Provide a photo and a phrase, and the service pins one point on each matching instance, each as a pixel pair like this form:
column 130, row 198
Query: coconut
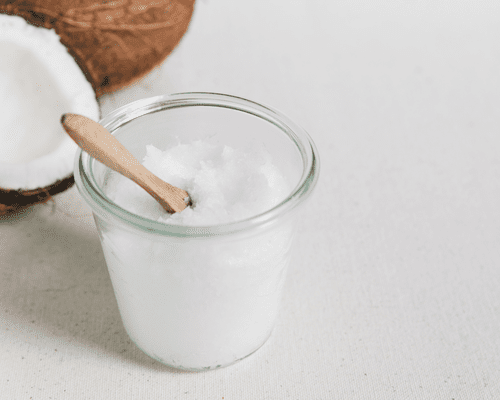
column 79, row 51
column 114, row 42
column 39, row 81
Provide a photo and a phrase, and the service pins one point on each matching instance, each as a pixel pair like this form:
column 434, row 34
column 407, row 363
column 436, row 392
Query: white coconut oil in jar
column 201, row 289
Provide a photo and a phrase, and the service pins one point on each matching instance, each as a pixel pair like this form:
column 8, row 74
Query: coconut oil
column 201, row 289
column 200, row 304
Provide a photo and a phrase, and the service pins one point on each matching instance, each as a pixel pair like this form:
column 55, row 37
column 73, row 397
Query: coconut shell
column 113, row 42
column 15, row 201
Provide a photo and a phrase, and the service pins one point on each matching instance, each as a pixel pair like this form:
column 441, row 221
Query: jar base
column 201, row 369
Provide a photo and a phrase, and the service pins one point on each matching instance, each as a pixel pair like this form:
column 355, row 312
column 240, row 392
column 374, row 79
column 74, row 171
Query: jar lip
column 103, row 206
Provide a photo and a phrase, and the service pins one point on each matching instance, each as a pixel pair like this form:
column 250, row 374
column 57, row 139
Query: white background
column 394, row 290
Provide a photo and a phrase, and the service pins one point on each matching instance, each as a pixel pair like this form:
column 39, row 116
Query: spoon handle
column 93, row 138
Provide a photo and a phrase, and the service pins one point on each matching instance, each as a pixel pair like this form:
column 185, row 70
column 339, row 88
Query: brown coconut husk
column 15, row 201
column 115, row 42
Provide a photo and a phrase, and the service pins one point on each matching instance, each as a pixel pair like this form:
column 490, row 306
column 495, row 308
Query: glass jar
column 199, row 297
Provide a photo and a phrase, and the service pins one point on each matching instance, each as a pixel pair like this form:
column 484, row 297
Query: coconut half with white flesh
column 39, row 81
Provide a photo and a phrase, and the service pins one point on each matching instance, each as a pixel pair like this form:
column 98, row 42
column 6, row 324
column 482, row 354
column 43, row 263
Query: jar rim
column 104, row 207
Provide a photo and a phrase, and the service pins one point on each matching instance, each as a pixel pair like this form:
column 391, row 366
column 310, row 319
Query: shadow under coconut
column 53, row 276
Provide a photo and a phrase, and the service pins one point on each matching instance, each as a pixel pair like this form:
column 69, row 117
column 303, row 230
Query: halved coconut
column 39, row 81
column 113, row 42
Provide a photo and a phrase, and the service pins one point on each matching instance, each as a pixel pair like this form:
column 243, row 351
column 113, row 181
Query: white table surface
column 394, row 291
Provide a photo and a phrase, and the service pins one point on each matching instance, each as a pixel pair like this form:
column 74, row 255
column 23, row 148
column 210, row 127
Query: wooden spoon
column 103, row 146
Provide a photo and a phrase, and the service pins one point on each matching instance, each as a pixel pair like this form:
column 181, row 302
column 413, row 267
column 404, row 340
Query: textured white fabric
column 393, row 292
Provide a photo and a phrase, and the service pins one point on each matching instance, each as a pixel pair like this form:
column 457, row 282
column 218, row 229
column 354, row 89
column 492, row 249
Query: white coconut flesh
column 39, row 81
